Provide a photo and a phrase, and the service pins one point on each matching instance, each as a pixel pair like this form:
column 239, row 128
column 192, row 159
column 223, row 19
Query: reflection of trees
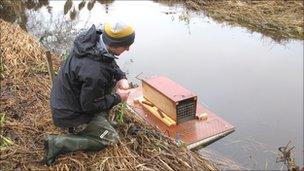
column 70, row 8
column 14, row 10
column 35, row 5
column 56, row 33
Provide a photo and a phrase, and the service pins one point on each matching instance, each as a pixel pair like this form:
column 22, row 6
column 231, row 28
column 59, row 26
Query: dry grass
column 25, row 88
column 278, row 19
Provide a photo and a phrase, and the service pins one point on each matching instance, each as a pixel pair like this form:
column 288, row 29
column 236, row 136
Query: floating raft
column 197, row 132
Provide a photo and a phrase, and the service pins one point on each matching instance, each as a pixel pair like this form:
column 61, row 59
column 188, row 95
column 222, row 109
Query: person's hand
column 122, row 84
column 124, row 94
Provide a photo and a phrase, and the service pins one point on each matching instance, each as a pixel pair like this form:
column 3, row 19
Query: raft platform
column 194, row 133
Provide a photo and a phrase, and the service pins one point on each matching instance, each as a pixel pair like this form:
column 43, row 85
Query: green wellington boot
column 55, row 145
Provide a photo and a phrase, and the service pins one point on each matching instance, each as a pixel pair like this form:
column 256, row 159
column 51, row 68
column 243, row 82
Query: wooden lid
column 169, row 88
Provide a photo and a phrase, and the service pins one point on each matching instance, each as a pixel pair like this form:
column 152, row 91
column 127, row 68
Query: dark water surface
column 251, row 81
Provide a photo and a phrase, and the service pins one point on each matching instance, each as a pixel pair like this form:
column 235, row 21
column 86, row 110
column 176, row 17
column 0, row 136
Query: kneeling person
column 82, row 92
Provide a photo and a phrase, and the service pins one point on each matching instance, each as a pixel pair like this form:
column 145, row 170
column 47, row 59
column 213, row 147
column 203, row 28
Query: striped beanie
column 118, row 34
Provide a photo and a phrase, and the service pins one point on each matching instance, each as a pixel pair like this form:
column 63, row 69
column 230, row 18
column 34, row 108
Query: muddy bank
column 26, row 119
column 278, row 19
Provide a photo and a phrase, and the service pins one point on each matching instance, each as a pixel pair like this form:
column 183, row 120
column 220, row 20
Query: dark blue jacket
column 84, row 83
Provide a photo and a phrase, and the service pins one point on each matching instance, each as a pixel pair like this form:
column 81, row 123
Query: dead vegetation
column 26, row 119
column 278, row 19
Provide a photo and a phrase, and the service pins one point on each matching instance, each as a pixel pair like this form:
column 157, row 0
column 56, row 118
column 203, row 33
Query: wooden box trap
column 175, row 111
column 170, row 98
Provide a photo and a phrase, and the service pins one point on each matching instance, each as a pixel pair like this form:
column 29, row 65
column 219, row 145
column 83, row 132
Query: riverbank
column 278, row 19
column 26, row 120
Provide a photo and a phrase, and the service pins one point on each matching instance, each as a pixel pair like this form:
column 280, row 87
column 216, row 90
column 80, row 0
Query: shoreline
column 280, row 20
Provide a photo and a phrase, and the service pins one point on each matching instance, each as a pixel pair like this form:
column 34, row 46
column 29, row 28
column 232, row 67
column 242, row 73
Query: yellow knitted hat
column 118, row 34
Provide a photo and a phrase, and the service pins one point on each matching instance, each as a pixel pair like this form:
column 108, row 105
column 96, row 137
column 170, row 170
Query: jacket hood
column 89, row 44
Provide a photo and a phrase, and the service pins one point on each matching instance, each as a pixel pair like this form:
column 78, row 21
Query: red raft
column 204, row 129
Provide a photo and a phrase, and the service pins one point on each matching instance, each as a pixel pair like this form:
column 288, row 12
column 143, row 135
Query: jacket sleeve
column 92, row 96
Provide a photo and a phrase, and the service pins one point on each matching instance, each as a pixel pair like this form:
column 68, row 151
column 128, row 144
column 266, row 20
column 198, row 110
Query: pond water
column 251, row 81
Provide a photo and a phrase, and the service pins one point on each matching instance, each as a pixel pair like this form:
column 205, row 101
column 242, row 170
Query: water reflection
column 15, row 11
column 73, row 11
column 56, row 33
